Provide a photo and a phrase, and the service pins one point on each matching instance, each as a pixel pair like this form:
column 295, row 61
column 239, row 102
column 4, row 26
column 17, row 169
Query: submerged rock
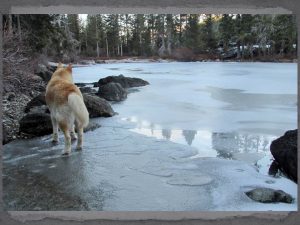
column 97, row 106
column 112, row 92
column 91, row 127
column 125, row 82
column 36, row 124
column 284, row 151
column 268, row 195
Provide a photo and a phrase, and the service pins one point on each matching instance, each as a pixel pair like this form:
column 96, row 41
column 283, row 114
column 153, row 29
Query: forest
column 184, row 37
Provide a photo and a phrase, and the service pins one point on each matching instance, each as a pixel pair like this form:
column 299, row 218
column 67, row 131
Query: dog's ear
column 69, row 67
column 60, row 65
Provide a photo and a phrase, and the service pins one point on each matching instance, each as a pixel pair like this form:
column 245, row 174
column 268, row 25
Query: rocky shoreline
column 26, row 115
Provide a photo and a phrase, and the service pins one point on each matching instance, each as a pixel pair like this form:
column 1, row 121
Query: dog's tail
column 77, row 105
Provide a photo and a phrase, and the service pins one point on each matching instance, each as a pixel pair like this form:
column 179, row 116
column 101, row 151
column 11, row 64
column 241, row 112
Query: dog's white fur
column 67, row 107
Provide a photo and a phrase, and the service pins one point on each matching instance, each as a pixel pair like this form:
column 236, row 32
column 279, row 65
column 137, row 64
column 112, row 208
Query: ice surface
column 220, row 108
column 195, row 139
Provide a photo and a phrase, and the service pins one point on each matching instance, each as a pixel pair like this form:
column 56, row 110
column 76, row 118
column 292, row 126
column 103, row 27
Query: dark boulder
column 91, row 127
column 36, row 101
column 36, row 124
column 44, row 72
column 125, row 82
column 268, row 195
column 97, row 107
column 5, row 139
column 112, row 92
column 284, row 151
column 99, row 61
column 39, row 109
column 80, row 84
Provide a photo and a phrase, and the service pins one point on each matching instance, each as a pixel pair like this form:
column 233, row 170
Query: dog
column 67, row 107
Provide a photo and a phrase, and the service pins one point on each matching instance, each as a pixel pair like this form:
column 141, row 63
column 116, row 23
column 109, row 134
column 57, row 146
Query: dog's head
column 63, row 72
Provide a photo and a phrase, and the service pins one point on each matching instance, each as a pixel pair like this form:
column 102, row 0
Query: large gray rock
column 284, row 151
column 4, row 135
column 44, row 72
column 268, row 195
column 36, row 124
column 97, row 107
column 112, row 92
column 87, row 90
column 36, row 101
column 125, row 82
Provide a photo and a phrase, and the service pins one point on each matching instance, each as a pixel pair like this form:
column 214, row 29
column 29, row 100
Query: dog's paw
column 79, row 148
column 54, row 141
column 73, row 137
column 65, row 153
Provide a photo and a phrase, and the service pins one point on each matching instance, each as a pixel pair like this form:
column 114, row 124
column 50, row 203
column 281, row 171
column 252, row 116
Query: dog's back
column 64, row 98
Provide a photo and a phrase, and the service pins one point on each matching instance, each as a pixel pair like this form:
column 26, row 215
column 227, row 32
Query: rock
column 97, row 106
column 51, row 68
column 87, row 90
column 8, row 88
column 11, row 96
column 87, row 62
column 98, row 61
column 4, row 135
column 39, row 109
column 36, row 124
column 80, row 84
column 125, row 82
column 37, row 101
column 112, row 92
column 43, row 72
column 91, row 126
column 284, row 151
column 268, row 195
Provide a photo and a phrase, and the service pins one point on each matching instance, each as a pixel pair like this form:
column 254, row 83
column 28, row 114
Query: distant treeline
column 181, row 36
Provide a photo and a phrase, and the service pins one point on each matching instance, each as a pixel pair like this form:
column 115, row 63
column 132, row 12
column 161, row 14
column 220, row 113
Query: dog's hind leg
column 72, row 132
column 55, row 130
column 64, row 127
column 80, row 138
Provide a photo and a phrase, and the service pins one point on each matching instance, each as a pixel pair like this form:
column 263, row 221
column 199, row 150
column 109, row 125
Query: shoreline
column 84, row 62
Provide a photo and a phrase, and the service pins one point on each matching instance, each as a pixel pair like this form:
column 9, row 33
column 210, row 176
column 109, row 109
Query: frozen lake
column 222, row 109
column 195, row 139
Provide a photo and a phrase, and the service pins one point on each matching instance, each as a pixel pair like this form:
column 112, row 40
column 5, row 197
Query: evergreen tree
column 192, row 32
column 226, row 29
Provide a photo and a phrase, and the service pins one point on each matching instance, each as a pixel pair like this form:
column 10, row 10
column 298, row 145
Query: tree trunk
column 238, row 50
column 243, row 50
column 97, row 38
column 10, row 29
column 98, row 52
column 121, row 49
column 180, row 29
column 19, row 28
column 107, row 53
column 86, row 44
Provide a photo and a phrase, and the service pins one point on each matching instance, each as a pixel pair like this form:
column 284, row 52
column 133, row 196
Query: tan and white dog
column 66, row 106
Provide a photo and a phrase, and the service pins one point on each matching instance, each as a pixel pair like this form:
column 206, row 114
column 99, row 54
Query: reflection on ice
column 229, row 145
